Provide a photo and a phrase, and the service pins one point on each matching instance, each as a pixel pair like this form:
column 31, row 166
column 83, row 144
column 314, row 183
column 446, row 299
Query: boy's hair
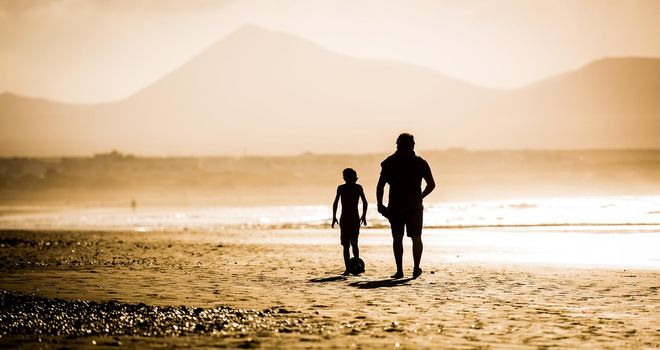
column 405, row 141
column 349, row 174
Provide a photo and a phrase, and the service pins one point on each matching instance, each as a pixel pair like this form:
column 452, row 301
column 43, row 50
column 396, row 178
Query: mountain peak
column 250, row 40
column 253, row 33
column 251, row 29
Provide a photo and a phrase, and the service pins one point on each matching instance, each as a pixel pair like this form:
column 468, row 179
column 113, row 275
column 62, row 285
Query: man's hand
column 383, row 210
column 363, row 219
column 334, row 221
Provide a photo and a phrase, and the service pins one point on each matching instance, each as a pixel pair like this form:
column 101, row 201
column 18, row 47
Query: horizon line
column 124, row 154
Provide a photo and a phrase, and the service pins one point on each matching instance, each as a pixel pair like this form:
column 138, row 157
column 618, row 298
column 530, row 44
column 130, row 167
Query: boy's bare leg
column 347, row 257
column 397, row 248
column 356, row 250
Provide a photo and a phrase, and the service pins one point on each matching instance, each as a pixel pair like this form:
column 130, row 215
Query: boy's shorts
column 350, row 229
column 410, row 219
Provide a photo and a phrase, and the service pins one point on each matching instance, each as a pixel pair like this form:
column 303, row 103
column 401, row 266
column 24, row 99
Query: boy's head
column 405, row 141
column 350, row 175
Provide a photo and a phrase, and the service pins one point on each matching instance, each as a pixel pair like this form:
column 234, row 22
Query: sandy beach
column 282, row 289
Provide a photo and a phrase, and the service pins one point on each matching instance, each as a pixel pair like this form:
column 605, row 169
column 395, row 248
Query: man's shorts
column 350, row 229
column 410, row 219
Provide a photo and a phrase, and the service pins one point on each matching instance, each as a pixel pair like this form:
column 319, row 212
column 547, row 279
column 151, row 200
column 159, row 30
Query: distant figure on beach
column 403, row 171
column 133, row 204
column 349, row 223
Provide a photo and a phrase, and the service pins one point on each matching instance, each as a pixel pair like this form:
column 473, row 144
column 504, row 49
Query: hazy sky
column 89, row 50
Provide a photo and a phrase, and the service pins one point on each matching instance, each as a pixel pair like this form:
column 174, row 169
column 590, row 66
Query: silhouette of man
column 403, row 171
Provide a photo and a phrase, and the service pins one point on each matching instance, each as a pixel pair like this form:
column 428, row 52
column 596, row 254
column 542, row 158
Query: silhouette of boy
column 349, row 222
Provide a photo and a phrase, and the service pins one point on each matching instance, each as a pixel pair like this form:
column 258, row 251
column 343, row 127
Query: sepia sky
column 90, row 51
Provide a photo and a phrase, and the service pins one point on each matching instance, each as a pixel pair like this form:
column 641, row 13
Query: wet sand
column 265, row 288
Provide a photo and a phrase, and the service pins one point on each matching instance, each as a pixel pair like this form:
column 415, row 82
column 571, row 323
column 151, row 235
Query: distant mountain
column 264, row 92
column 609, row 103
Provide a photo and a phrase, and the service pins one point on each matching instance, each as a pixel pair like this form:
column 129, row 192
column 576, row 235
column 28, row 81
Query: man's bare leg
column 417, row 249
column 397, row 248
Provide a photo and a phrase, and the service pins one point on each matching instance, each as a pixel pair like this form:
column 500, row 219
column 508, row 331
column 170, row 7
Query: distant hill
column 608, row 103
column 264, row 92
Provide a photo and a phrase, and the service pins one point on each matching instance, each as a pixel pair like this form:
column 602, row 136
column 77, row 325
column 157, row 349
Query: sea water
column 577, row 212
column 614, row 232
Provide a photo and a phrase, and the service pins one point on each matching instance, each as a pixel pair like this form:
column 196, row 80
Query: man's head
column 405, row 142
column 350, row 175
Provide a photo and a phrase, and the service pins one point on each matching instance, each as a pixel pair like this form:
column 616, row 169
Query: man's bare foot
column 397, row 275
column 417, row 272
column 346, row 273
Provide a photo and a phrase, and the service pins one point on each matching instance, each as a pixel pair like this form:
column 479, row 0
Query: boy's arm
column 334, row 209
column 364, row 206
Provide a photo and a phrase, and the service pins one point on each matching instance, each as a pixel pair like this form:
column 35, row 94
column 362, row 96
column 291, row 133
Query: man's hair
column 349, row 174
column 405, row 141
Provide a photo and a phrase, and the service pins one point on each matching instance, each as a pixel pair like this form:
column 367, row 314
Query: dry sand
column 453, row 305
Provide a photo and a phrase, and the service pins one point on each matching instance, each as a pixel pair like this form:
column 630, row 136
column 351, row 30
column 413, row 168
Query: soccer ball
column 356, row 266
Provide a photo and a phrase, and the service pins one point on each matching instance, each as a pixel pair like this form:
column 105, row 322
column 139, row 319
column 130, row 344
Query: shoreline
column 588, row 247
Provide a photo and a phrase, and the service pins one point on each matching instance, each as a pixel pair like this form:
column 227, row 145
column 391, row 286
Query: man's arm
column 380, row 190
column 430, row 184
column 334, row 208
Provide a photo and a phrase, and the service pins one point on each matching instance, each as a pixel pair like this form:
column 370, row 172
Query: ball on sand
column 356, row 266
